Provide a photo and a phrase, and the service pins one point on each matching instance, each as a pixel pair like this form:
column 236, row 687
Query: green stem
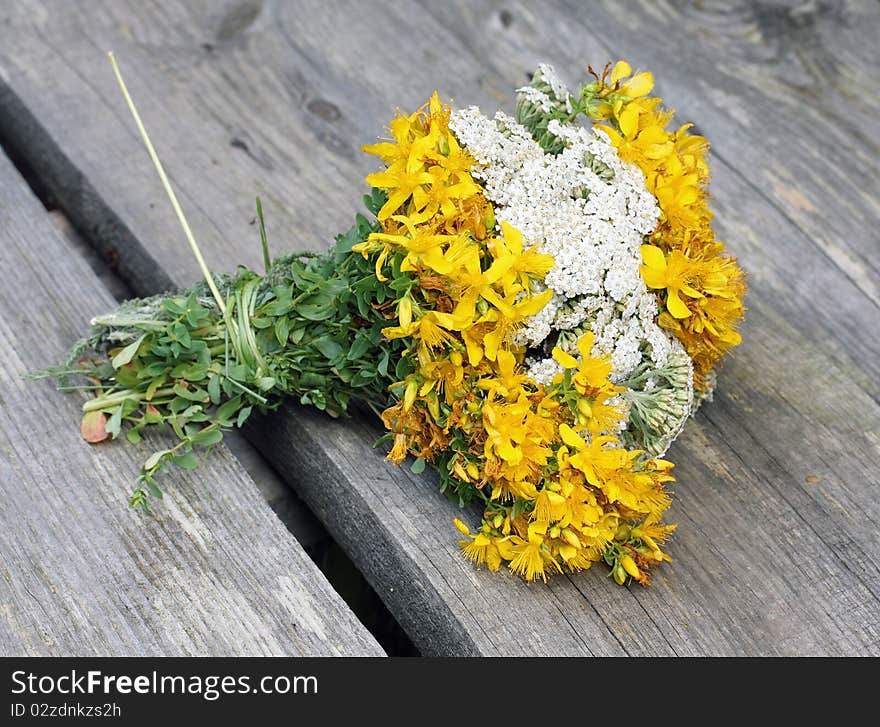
column 209, row 279
column 267, row 261
column 108, row 402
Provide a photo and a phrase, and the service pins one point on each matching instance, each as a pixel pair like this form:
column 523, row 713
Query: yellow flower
column 592, row 382
column 423, row 248
column 550, row 506
column 524, row 264
column 440, row 194
column 639, row 85
column 400, row 184
column 507, row 382
column 529, row 559
column 483, row 547
column 403, row 130
column 399, row 450
column 433, row 330
column 674, row 273
column 506, row 426
column 486, row 336
column 473, row 283
column 446, row 374
column 679, row 194
column 640, row 136
column 566, row 360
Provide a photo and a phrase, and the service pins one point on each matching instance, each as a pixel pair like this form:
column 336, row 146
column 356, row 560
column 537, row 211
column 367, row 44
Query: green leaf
column 214, row 389
column 133, row 436
column 362, row 377
column 264, row 383
column 152, row 415
column 418, row 466
column 313, row 312
column 345, row 375
column 243, row 416
column 192, row 372
column 190, row 394
column 327, row 346
column 191, row 410
column 180, row 332
column 177, row 426
column 188, row 461
column 127, row 376
column 195, row 314
column 128, row 353
column 114, row 424
column 174, row 306
column 360, row 346
column 229, row 408
column 207, row 438
column 382, row 368
column 154, row 458
column 282, row 330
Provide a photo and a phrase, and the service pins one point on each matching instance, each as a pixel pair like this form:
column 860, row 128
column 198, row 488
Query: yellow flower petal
column 585, row 344
column 512, row 237
column 675, row 305
column 621, row 70
column 629, row 121
column 653, row 257
column 639, row 85
column 462, row 528
column 570, row 437
column 567, row 361
column 653, row 278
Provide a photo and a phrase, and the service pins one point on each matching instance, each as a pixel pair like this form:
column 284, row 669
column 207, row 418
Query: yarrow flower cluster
column 536, row 309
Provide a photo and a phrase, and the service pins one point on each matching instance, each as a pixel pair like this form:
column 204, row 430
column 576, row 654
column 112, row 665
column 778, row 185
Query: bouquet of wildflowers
column 534, row 306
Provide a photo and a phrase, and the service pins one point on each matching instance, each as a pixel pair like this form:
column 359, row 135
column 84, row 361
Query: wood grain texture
column 778, row 549
column 212, row 572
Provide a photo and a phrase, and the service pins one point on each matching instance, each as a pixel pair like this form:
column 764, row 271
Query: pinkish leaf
column 93, row 427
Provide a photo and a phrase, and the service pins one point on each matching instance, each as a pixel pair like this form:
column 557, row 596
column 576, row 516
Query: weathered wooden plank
column 212, row 573
column 767, row 561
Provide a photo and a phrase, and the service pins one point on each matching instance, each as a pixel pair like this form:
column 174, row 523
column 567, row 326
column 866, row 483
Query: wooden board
column 212, row 573
column 778, row 549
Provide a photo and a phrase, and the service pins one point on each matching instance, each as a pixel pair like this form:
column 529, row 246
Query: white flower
column 592, row 223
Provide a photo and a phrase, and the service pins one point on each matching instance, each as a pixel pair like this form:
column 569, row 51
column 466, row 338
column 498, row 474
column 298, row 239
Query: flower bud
column 571, row 538
column 629, row 565
column 404, row 312
column 409, row 395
